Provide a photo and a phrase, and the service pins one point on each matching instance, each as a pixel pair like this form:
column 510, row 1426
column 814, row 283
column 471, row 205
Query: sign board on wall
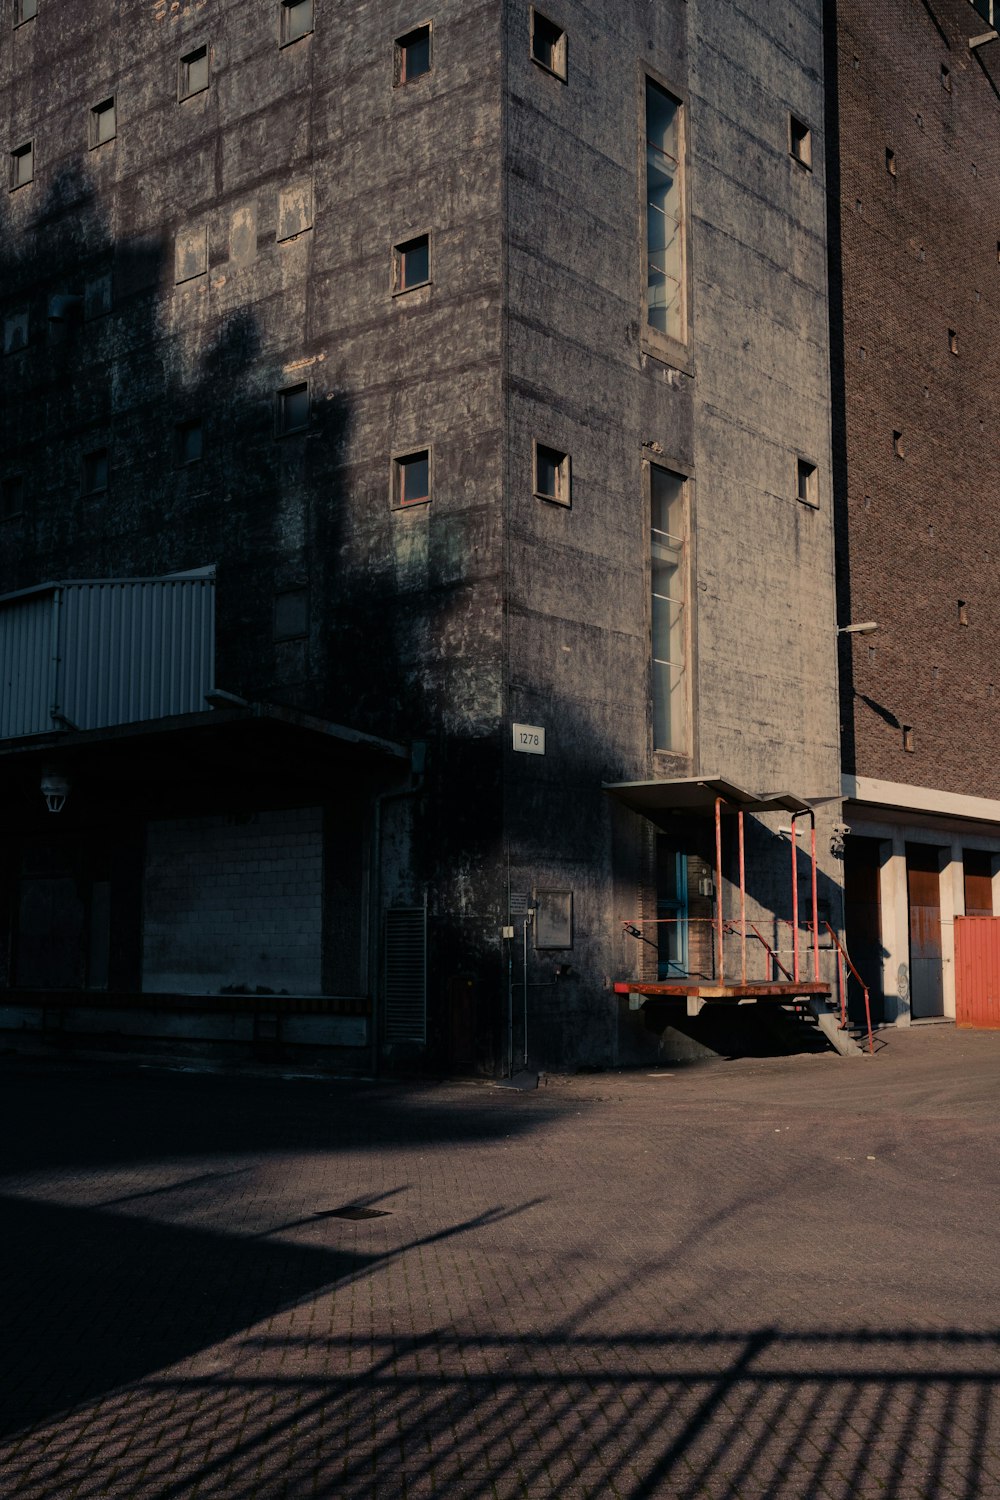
column 529, row 739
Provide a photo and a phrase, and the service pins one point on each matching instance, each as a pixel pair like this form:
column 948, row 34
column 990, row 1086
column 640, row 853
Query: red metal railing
column 844, row 957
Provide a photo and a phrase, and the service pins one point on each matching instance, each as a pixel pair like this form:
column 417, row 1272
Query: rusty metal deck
column 700, row 989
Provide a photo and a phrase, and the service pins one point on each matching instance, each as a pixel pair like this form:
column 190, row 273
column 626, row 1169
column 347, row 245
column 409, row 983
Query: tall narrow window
column 296, row 20
column 800, row 141
column 192, row 73
column 667, row 546
column 103, row 122
column 188, row 442
column 95, row 472
column 665, row 310
column 22, row 165
column 12, row 497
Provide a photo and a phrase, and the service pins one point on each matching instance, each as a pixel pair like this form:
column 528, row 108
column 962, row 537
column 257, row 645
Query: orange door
column 977, row 972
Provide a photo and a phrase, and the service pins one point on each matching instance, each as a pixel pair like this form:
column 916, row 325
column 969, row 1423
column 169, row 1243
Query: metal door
column 923, row 886
column 977, row 972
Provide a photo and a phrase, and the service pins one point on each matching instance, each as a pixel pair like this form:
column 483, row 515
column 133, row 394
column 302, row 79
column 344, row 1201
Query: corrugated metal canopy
column 697, row 794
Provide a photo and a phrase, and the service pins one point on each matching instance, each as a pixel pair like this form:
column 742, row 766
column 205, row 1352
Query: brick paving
column 757, row 1279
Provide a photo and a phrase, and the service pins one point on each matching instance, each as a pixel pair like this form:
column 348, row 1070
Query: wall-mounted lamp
column 55, row 789
column 865, row 627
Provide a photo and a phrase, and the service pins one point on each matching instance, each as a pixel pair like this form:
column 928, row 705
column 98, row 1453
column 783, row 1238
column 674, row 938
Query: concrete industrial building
column 415, row 423
column 914, row 110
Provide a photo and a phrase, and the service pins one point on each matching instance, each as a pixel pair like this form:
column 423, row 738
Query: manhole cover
column 355, row 1211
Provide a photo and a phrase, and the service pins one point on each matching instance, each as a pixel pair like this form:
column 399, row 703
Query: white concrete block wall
column 228, row 902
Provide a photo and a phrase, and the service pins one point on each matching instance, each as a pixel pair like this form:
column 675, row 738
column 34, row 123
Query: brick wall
column 234, row 903
column 915, row 257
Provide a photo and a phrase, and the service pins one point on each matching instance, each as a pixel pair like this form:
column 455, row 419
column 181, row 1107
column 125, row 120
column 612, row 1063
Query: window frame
column 184, row 61
column 561, row 69
column 183, row 426
column 400, row 79
column 397, row 460
column 20, row 19
column 800, row 142
column 107, row 105
column 564, row 473
column 682, row 745
column 285, row 8
column 664, row 346
column 808, row 470
column 279, row 637
column 86, row 490
column 399, row 288
column 26, row 148
column 280, row 398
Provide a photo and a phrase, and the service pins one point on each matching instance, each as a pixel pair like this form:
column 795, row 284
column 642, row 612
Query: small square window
column 800, row 142
column 25, row 10
column 295, row 210
column 103, row 122
column 12, row 497
column 296, row 20
column 15, row 331
column 95, row 472
column 22, row 165
column 291, row 614
column 552, row 474
column 192, row 73
column 412, row 477
column 413, row 54
column 292, row 409
column 97, row 296
column 548, row 44
column 188, row 441
column 191, row 253
column 890, row 161
column 411, row 263
column 807, row 489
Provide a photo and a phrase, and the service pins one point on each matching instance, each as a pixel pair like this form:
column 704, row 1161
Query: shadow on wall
column 178, row 382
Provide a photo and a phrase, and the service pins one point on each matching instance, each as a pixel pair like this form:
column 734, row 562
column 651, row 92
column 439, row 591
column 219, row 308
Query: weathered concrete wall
column 446, row 621
column 734, row 411
column 374, row 164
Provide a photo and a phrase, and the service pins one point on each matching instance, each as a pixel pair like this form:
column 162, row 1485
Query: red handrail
column 845, row 957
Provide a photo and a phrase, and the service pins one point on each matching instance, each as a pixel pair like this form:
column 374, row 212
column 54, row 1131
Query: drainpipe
column 418, row 760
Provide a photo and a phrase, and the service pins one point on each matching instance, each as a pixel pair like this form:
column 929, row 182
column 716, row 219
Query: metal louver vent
column 406, row 974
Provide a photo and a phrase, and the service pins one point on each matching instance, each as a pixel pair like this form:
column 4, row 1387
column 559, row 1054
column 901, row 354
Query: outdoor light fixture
column 866, row 627
column 55, row 789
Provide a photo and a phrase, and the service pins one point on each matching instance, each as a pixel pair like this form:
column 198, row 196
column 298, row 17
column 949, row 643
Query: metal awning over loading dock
column 713, row 795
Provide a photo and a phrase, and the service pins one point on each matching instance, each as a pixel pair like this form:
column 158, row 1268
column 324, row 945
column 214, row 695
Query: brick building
column 913, row 120
column 414, row 423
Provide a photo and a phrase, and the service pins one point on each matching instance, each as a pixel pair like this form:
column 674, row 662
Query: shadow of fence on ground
column 760, row 1413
